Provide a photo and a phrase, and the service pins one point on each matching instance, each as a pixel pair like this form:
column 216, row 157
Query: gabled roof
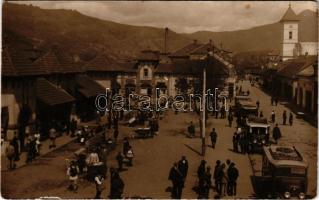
column 102, row 63
column 290, row 15
column 51, row 94
column 185, row 51
column 88, row 87
column 27, row 61
column 290, row 68
column 148, row 55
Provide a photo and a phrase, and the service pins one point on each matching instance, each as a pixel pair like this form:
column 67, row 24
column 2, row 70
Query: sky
column 184, row 17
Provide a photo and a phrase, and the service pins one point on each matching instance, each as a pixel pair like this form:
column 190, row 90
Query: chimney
column 165, row 40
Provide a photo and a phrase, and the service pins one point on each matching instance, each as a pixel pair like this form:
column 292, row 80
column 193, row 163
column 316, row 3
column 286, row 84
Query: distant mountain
column 80, row 34
column 86, row 36
column 261, row 38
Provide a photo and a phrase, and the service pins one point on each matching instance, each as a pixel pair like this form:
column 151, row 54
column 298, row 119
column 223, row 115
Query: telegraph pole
column 204, row 111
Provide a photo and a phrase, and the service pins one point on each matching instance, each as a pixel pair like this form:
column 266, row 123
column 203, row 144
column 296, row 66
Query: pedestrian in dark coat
column 201, row 169
column 290, row 119
column 276, row 134
column 177, row 181
column 232, row 179
column 15, row 143
column 230, row 119
column 191, row 130
column 183, row 168
column 235, row 142
column 284, row 117
column 117, row 186
column 120, row 159
column 213, row 138
column 215, row 175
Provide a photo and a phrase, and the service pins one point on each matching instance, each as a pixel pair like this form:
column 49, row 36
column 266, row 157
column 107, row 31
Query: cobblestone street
column 153, row 158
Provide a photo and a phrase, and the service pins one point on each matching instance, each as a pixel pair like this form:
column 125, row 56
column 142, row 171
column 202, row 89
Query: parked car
column 284, row 172
column 258, row 133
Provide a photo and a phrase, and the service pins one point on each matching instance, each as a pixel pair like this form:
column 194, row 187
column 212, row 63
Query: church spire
column 290, row 15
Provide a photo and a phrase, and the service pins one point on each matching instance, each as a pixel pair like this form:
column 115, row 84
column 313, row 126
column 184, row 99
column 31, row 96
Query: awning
column 51, row 94
column 88, row 87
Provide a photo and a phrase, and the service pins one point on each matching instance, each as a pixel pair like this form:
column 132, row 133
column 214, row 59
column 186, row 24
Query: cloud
column 189, row 16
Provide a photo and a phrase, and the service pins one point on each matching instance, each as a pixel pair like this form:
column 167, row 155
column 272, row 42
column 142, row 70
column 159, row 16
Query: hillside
column 78, row 34
column 266, row 37
column 86, row 36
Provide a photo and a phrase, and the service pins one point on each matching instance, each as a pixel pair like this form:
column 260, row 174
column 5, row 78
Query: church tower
column 290, row 46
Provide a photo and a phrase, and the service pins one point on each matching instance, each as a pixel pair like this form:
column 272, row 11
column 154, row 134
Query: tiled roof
column 290, row 15
column 29, row 61
column 186, row 50
column 104, row 64
column 50, row 94
column 8, row 68
column 88, row 87
column 290, row 68
column 148, row 55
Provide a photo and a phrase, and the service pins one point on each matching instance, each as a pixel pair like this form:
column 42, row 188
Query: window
column 290, row 35
column 145, row 72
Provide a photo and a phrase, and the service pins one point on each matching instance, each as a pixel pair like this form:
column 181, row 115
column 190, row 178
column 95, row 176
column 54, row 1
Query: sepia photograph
column 159, row 99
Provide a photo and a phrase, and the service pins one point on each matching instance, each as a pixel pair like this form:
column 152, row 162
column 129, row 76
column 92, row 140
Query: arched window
column 146, row 72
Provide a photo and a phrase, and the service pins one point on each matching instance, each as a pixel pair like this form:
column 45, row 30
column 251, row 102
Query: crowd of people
column 225, row 177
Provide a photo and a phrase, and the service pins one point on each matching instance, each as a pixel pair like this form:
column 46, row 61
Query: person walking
column 201, row 169
column 273, row 116
column 284, row 117
column 235, row 142
column 31, row 149
column 10, row 153
column 117, row 186
column 176, row 177
column 213, row 138
column 191, row 130
column 183, row 168
column 290, row 119
column 99, row 185
column 222, row 180
column 276, row 133
column 232, row 179
column 230, row 119
column 120, row 159
column 52, row 135
column 16, row 145
column 215, row 176
column 72, row 172
column 37, row 143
